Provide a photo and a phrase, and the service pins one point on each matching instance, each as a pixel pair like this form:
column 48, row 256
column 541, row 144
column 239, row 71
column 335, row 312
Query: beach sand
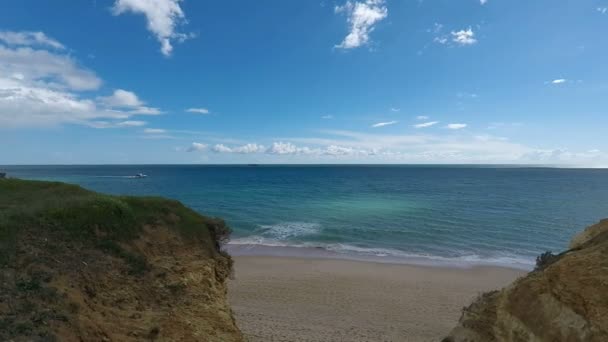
column 304, row 299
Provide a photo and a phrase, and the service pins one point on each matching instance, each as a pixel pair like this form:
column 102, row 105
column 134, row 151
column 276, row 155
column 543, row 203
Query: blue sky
column 274, row 81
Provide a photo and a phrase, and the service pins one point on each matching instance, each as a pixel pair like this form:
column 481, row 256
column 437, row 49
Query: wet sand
column 306, row 299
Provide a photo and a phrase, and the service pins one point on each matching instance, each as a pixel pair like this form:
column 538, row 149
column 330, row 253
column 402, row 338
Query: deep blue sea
column 461, row 214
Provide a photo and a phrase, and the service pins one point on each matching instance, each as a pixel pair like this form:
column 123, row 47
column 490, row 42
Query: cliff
column 81, row 266
column 564, row 299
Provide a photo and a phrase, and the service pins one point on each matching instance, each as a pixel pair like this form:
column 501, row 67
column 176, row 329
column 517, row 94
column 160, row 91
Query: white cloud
column 426, row 124
column 348, row 146
column 145, row 111
column 128, row 101
column 115, row 124
column 422, row 117
column 198, row 110
column 248, row 148
column 42, row 85
column 483, row 2
column 327, row 117
column 155, row 131
column 282, row 148
column 336, row 150
column 559, row 81
column 456, row 126
column 464, row 37
column 602, row 10
column 421, row 148
column 22, row 105
column 382, row 124
column 163, row 16
column 45, row 68
column 29, row 38
column 286, row 148
column 196, row 147
column 221, row 148
column 121, row 98
column 590, row 158
column 395, row 109
column 131, row 123
column 244, row 149
column 362, row 16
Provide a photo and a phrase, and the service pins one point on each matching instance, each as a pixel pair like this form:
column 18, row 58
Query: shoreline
column 321, row 299
column 305, row 252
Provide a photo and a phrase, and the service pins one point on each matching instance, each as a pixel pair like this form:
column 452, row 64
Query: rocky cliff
column 81, row 266
column 564, row 299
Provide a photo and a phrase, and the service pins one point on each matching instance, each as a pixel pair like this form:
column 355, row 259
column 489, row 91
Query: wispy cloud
column 463, row 147
column 198, row 110
column 464, row 37
column 422, row 117
column 497, row 125
column 155, row 131
column 464, row 95
column 382, row 124
column 362, row 16
column 395, row 109
column 483, row 2
column 441, row 40
column 410, row 148
column 602, row 10
column 559, row 81
column 456, row 126
column 327, row 117
column 115, row 124
column 196, row 147
column 131, row 123
column 163, row 16
column 426, row 124
column 29, row 38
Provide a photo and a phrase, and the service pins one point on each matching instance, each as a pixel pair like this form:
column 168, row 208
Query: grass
column 92, row 216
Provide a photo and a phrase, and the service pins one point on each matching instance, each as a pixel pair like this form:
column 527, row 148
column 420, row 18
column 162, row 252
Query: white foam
column 250, row 246
column 287, row 230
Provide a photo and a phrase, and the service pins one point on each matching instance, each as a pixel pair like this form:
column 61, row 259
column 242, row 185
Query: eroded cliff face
column 69, row 292
column 92, row 283
column 565, row 300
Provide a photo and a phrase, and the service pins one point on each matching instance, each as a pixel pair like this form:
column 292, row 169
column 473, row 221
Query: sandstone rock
column 565, row 301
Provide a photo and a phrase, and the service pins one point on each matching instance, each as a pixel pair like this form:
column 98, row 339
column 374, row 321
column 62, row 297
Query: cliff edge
column 564, row 299
column 81, row 266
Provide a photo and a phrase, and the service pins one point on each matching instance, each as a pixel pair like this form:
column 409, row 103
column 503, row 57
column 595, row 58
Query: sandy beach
column 305, row 299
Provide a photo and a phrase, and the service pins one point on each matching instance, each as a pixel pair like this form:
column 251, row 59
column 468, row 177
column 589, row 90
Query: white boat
column 140, row 175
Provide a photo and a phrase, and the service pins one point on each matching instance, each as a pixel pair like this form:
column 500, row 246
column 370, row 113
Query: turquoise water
column 469, row 215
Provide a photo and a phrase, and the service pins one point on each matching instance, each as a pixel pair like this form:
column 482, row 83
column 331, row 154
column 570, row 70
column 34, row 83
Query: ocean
column 444, row 215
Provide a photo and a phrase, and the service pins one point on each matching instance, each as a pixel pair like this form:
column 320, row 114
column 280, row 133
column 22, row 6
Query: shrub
column 544, row 260
column 220, row 232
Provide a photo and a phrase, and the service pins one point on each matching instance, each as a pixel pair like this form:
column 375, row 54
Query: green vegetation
column 92, row 217
column 545, row 259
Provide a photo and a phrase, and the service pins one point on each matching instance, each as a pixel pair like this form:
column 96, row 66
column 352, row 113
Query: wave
column 287, row 230
column 260, row 245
